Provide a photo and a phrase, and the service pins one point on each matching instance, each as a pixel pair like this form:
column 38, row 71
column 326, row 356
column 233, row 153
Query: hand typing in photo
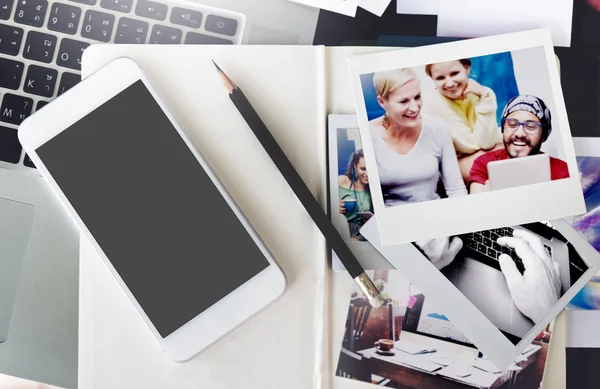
column 441, row 251
column 538, row 289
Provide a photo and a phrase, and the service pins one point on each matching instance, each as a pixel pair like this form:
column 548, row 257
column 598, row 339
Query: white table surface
column 280, row 348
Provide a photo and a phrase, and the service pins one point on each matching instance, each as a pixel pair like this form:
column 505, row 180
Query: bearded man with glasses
column 526, row 124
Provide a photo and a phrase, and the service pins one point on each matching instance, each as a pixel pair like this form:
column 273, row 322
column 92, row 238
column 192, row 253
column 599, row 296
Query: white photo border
column 445, row 217
column 586, row 147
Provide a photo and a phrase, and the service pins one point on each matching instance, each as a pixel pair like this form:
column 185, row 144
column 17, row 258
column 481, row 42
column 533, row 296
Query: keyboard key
column 15, row 109
column 491, row 252
column 505, row 250
column 478, row 238
column 509, row 231
column 97, row 26
column 486, row 233
column 5, row 8
column 10, row 148
column 87, row 2
column 40, row 81
column 131, row 31
column 31, row 12
column 165, row 35
column 10, row 39
column 487, row 242
column 39, row 46
column 68, row 81
column 186, row 17
column 40, row 104
column 151, row 9
column 64, row 18
column 28, row 162
column 481, row 248
column 472, row 244
column 501, row 232
column 514, row 255
column 201, row 39
column 221, row 25
column 70, row 52
column 494, row 236
column 496, row 246
column 117, row 5
column 10, row 73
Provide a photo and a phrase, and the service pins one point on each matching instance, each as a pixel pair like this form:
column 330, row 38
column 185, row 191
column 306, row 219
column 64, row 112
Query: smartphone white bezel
column 229, row 312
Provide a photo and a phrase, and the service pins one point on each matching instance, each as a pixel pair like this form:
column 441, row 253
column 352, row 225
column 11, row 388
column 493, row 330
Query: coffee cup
column 350, row 205
column 384, row 344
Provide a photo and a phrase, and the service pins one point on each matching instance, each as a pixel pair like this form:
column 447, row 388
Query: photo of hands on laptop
column 513, row 275
column 461, row 127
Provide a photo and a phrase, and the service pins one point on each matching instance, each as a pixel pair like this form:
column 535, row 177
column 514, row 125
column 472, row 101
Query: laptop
column 532, row 169
column 41, row 43
column 476, row 273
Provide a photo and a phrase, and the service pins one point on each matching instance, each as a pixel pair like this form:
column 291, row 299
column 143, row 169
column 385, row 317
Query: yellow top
column 471, row 122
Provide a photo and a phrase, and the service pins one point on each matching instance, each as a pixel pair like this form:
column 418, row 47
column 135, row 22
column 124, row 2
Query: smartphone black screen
column 152, row 208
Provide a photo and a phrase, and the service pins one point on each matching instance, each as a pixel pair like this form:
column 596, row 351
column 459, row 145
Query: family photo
column 444, row 129
column 476, row 117
column 409, row 342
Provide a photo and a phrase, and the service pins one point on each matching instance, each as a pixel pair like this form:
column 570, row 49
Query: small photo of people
column 353, row 182
column 463, row 126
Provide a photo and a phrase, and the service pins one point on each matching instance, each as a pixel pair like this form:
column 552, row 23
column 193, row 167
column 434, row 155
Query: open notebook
column 287, row 345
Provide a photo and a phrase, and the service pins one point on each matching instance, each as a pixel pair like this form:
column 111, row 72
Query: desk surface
column 117, row 351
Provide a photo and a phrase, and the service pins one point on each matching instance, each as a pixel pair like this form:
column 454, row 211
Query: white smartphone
column 186, row 256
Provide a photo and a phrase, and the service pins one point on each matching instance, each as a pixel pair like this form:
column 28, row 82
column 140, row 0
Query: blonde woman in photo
column 467, row 108
column 413, row 154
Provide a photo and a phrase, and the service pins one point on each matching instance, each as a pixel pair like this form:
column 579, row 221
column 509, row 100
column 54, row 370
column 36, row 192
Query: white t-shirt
column 413, row 177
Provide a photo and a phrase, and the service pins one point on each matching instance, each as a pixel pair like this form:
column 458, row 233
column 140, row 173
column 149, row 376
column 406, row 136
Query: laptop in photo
column 515, row 172
column 477, row 273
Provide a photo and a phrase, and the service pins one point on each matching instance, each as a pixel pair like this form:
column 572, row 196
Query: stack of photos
column 457, row 177
column 455, row 131
column 409, row 342
column 497, row 271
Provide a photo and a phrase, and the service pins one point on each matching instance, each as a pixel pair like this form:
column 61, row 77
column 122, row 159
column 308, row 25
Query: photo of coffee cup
column 350, row 205
column 384, row 344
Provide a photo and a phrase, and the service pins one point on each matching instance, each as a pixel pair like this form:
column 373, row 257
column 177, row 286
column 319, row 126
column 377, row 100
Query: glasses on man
column 512, row 125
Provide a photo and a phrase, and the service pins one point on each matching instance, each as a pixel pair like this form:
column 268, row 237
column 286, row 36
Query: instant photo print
column 350, row 204
column 464, row 136
column 410, row 335
column 500, row 286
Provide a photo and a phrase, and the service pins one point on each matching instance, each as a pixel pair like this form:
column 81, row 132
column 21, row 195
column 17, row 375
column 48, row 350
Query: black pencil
column 301, row 190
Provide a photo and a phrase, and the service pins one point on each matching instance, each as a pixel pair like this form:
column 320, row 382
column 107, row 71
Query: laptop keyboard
column 483, row 246
column 42, row 41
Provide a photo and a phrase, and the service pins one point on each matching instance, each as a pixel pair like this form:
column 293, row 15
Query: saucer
column 382, row 352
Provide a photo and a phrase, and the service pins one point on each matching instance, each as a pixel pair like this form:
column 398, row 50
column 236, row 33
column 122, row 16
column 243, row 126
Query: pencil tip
column 229, row 84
